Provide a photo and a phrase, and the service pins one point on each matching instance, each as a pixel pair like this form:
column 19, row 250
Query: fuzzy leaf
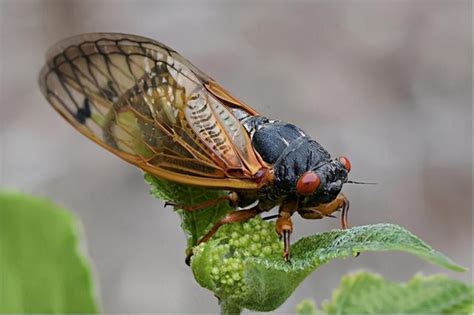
column 367, row 293
column 267, row 281
column 42, row 269
column 306, row 307
column 242, row 263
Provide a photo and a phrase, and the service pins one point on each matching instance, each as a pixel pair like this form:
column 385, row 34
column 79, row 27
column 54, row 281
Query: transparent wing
column 147, row 104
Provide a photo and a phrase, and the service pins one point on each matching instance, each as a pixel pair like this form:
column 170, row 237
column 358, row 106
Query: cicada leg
column 345, row 210
column 284, row 226
column 325, row 210
column 231, row 197
column 231, row 217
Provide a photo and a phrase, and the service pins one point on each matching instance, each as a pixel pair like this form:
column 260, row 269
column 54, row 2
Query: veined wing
column 147, row 104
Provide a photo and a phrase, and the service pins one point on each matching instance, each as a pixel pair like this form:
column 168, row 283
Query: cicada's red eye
column 345, row 162
column 308, row 183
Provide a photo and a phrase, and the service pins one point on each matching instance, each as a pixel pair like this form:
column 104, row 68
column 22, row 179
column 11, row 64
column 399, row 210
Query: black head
column 322, row 183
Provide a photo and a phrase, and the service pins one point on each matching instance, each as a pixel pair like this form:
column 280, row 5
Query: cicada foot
column 345, row 210
column 286, row 241
column 284, row 228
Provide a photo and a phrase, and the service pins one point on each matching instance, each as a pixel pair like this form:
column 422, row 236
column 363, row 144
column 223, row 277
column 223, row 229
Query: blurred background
column 386, row 83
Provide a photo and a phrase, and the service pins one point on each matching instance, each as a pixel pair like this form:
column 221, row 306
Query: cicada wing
column 147, row 104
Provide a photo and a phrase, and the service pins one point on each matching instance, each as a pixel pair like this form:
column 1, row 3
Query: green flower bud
column 222, row 259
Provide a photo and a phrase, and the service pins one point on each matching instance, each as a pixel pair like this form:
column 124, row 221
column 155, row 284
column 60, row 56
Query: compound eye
column 345, row 162
column 307, row 183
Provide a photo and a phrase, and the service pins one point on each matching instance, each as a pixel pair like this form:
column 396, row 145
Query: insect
column 150, row 106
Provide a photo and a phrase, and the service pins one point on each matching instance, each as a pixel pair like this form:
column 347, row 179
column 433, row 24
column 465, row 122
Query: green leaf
column 367, row 293
column 263, row 282
column 195, row 224
column 306, row 307
column 42, row 269
column 242, row 264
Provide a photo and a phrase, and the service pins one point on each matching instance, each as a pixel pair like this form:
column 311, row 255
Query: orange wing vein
column 147, row 104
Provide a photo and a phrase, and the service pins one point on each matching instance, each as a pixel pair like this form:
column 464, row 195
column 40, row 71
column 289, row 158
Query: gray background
column 386, row 83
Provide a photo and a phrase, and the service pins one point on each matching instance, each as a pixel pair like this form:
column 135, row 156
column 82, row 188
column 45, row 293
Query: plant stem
column 229, row 308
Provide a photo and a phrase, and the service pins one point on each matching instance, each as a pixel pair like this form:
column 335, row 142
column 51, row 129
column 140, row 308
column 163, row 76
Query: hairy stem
column 229, row 308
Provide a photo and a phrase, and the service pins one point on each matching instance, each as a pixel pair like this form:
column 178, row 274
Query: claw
column 189, row 255
column 187, row 260
column 286, row 250
column 345, row 209
column 232, row 198
column 274, row 216
column 170, row 203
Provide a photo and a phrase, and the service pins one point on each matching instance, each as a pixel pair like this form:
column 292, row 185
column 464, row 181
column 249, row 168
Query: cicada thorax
column 288, row 149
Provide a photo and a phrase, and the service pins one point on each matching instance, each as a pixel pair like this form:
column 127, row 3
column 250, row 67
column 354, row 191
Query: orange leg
column 326, row 210
column 284, row 226
column 345, row 210
column 231, row 197
column 231, row 217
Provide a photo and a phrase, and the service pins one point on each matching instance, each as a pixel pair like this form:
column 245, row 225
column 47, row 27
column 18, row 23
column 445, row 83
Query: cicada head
column 322, row 183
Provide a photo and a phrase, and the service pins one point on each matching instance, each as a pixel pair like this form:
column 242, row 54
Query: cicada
column 144, row 102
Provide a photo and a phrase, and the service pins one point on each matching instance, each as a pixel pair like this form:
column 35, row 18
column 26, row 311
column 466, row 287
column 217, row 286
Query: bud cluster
column 237, row 242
